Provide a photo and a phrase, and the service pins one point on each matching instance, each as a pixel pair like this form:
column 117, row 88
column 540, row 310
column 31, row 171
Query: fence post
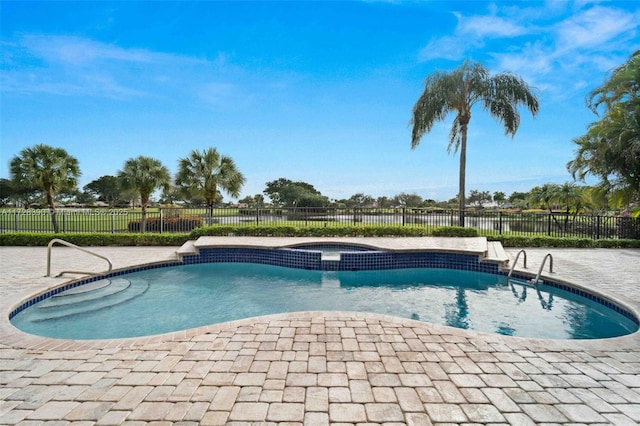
column 161, row 221
column 500, row 222
column 257, row 215
column 113, row 222
column 549, row 224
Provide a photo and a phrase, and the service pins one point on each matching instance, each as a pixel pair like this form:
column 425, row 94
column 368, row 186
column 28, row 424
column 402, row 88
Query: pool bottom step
column 120, row 294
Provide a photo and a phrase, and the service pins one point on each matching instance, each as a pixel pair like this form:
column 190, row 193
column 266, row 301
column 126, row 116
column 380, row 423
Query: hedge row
column 517, row 241
column 338, row 231
column 167, row 224
column 177, row 239
column 93, row 239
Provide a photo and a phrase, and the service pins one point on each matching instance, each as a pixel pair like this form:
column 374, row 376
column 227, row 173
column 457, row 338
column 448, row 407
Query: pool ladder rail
column 68, row 244
column 537, row 279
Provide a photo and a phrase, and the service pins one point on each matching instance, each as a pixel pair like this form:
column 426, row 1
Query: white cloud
column 596, row 27
column 79, row 51
column 559, row 49
column 72, row 66
column 451, row 48
column 488, row 26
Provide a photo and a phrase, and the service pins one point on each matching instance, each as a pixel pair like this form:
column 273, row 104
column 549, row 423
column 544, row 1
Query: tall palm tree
column 144, row 175
column 458, row 91
column 204, row 173
column 544, row 196
column 52, row 169
column 570, row 196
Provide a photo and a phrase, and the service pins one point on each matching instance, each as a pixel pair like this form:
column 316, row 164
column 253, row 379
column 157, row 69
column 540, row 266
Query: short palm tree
column 144, row 175
column 204, row 173
column 49, row 168
column 458, row 91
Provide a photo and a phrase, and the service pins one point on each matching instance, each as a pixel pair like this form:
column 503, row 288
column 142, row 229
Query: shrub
column 454, row 231
column 93, row 239
column 167, row 224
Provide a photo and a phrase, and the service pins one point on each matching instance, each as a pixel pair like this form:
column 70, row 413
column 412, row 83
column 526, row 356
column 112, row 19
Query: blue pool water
column 175, row 298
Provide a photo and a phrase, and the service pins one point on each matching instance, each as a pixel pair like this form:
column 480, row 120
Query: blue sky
column 320, row 92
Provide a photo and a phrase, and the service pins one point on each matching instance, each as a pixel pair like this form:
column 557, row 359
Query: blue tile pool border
column 353, row 258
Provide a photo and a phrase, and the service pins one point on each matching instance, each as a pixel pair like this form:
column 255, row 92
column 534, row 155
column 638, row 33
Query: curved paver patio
column 318, row 368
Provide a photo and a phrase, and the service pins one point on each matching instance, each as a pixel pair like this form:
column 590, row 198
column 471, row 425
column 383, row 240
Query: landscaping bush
column 454, row 231
column 167, row 224
column 177, row 239
column 93, row 239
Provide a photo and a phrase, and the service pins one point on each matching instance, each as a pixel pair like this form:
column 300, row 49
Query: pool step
column 86, row 292
column 119, row 291
column 495, row 253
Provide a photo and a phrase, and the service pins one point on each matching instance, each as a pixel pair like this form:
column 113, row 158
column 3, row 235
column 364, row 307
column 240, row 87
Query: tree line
column 610, row 150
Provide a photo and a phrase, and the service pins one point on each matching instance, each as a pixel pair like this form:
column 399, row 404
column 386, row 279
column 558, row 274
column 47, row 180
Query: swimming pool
column 220, row 285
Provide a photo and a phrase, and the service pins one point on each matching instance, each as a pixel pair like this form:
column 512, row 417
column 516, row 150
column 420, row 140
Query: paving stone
column 316, row 419
column 340, row 412
column 580, row 413
column 445, row 413
column 408, row 399
column 317, row 399
column 382, row 413
column 53, row 410
column 482, row 413
column 544, row 413
column 286, row 412
column 149, row 411
column 249, row 411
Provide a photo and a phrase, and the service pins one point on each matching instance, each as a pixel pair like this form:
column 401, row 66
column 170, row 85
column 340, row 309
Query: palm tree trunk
column 52, row 209
column 143, row 221
column 463, row 165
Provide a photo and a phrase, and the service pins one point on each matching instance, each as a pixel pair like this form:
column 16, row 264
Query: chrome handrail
column 516, row 261
column 535, row 282
column 68, row 244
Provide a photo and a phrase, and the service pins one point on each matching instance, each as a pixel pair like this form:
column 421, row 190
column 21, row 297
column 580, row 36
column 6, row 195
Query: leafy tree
column 479, row 198
column 253, row 201
column 11, row 191
column 544, row 196
column 384, row 202
column 518, row 199
column 458, row 91
column 85, row 198
column 499, row 197
column 144, row 175
column 610, row 149
column 285, row 192
column 52, row 169
column 170, row 195
column 203, row 174
column 571, row 197
column 106, row 188
column 407, row 200
column 360, row 200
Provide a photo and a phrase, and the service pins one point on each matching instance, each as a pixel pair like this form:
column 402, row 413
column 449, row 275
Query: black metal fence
column 184, row 220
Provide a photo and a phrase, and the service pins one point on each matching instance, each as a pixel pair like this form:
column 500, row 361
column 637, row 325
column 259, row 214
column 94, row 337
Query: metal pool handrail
column 516, row 261
column 542, row 266
column 68, row 244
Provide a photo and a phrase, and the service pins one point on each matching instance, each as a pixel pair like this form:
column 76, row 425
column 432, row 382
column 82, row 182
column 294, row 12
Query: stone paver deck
column 319, row 368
